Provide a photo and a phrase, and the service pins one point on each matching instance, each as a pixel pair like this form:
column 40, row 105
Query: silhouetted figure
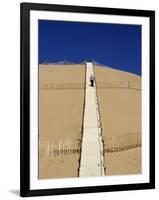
column 92, row 79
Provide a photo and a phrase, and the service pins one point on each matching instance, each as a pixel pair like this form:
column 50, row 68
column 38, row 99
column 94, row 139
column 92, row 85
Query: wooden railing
column 55, row 86
column 100, row 85
column 63, row 146
column 122, row 142
column 126, row 84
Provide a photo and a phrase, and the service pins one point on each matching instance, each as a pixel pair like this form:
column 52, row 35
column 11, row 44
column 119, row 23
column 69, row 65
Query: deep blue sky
column 114, row 45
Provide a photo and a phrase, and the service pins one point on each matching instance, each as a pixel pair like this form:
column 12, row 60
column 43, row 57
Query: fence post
column 52, row 148
column 125, row 141
column 113, row 142
column 47, row 150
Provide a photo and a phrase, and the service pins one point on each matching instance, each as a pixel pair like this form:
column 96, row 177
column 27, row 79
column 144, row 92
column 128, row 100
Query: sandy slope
column 60, row 118
column 124, row 162
column 61, row 112
column 120, row 110
column 61, row 73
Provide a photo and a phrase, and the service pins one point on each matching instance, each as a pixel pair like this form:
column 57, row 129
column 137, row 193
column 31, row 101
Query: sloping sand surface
column 107, row 74
column 61, row 98
column 61, row 73
column 120, row 110
column 60, row 120
column 124, row 162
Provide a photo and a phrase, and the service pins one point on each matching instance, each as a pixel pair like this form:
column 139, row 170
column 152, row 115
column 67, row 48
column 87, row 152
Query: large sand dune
column 60, row 119
column 61, row 100
column 120, row 110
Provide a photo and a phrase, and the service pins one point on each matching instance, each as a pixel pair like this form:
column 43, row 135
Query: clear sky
column 114, row 45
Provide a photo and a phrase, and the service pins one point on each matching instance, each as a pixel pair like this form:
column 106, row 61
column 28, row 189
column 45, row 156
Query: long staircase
column 92, row 162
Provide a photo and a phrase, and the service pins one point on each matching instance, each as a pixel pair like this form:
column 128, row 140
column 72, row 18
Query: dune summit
column 62, row 90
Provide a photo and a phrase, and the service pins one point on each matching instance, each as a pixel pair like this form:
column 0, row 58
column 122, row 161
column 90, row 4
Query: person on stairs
column 92, row 79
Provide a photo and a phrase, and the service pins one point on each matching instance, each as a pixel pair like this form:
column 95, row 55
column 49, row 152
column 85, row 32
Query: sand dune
column 120, row 110
column 124, row 162
column 107, row 74
column 61, row 73
column 60, row 119
column 61, row 98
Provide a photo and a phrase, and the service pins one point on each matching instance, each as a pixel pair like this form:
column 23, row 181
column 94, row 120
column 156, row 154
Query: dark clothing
column 92, row 79
column 92, row 83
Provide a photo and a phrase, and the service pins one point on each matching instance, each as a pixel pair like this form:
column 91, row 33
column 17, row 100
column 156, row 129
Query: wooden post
column 52, row 148
column 113, row 142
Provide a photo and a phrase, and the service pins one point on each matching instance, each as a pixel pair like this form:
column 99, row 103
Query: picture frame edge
column 25, row 190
